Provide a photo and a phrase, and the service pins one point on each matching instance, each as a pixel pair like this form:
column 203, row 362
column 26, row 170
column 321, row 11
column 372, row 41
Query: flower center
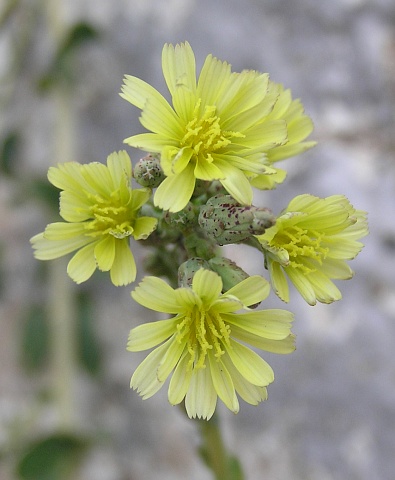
column 204, row 330
column 204, row 134
column 109, row 217
column 302, row 244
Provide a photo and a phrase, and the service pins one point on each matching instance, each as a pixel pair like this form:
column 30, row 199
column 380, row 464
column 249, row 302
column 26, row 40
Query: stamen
column 300, row 243
column 203, row 133
column 205, row 330
column 109, row 216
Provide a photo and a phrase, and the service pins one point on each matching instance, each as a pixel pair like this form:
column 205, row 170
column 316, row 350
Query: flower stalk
column 61, row 299
column 214, row 452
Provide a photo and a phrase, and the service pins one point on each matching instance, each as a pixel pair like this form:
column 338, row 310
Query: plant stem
column 62, row 314
column 62, row 297
column 213, row 449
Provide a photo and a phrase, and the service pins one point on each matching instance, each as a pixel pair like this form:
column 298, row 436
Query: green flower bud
column 208, row 189
column 226, row 221
column 184, row 217
column 230, row 273
column 148, row 172
column 187, row 270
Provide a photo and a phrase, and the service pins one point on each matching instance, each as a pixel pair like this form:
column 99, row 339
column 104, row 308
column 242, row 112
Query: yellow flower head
column 100, row 210
column 299, row 127
column 201, row 343
column 218, row 127
column 310, row 243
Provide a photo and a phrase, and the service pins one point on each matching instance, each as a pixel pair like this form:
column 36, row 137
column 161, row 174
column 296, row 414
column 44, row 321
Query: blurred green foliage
column 89, row 349
column 61, row 69
column 52, row 458
column 35, row 339
column 9, row 153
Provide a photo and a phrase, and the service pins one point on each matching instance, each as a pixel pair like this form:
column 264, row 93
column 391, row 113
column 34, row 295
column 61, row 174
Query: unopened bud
column 184, row 217
column 148, row 172
column 187, row 270
column 226, row 221
column 230, row 273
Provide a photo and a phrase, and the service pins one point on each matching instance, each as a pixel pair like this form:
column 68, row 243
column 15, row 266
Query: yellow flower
column 201, row 343
column 218, row 128
column 299, row 127
column 310, row 243
column 100, row 210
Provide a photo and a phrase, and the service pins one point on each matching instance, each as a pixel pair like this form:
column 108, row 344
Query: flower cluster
column 221, row 136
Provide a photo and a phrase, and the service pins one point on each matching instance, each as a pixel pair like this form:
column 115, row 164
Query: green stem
column 213, row 449
column 253, row 242
column 62, row 297
column 62, row 314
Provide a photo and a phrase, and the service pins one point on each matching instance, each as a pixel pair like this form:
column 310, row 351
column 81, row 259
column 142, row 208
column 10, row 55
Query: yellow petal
column 274, row 324
column 201, row 398
column 151, row 334
column 179, row 68
column 123, row 270
column 207, row 285
column 250, row 291
column 223, row 383
column 155, row 294
column 180, row 381
column 143, row 227
column 83, row 264
column 250, row 365
column 105, row 253
column 174, row 192
column 144, row 379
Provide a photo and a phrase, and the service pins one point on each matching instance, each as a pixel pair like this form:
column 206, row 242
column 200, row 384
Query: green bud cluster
column 226, row 221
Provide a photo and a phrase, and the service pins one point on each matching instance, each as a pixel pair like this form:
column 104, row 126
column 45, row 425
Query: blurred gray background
column 331, row 410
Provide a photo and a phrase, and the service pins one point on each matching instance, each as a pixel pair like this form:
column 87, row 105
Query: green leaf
column 89, row 350
column 53, row 458
column 35, row 339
